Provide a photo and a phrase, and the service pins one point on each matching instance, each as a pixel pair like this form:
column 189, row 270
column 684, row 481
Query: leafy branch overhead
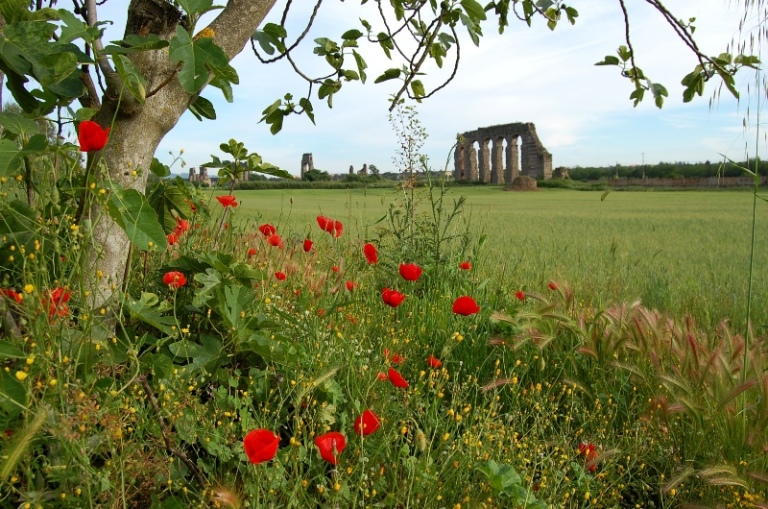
column 724, row 65
column 45, row 67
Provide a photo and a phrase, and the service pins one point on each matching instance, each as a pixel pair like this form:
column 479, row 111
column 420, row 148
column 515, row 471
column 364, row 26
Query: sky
column 582, row 112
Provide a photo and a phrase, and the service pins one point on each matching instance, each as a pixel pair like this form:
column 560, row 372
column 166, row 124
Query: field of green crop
column 682, row 252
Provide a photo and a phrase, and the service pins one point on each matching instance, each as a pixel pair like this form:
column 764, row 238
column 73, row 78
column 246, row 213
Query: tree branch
column 293, row 46
column 234, row 26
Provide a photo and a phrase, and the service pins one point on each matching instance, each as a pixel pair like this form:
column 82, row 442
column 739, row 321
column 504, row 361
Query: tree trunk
column 137, row 129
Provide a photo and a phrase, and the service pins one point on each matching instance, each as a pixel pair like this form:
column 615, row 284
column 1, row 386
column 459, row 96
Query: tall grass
column 686, row 253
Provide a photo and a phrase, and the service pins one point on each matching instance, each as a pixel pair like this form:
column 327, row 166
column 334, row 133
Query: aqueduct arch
column 523, row 155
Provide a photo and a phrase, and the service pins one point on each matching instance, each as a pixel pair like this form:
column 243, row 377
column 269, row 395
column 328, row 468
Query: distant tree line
column 666, row 170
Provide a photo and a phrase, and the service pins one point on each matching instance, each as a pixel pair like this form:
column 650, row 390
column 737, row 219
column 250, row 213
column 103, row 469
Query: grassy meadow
column 683, row 252
column 393, row 353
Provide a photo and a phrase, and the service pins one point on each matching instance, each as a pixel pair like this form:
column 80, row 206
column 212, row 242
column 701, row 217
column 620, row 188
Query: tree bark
column 137, row 129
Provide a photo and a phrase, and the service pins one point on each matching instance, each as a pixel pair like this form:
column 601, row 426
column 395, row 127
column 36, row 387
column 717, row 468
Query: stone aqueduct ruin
column 523, row 155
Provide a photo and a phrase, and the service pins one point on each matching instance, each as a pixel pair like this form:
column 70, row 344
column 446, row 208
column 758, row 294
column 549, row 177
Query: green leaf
column 198, row 59
column 473, row 29
column 386, row 43
column 151, row 310
column 133, row 213
column 305, row 104
column 60, row 73
column 74, row 28
column 14, row 11
column 609, row 60
column 19, row 124
column 134, row 44
column 501, row 478
column 13, row 395
column 22, row 44
column 271, row 169
column 361, row 66
column 474, row 10
column 659, row 93
column 637, row 95
column 159, row 169
column 197, row 7
column 131, row 77
column 418, row 88
column 747, row 61
column 571, row 13
column 353, row 34
column 9, row 351
column 270, row 38
column 350, row 75
column 624, row 53
column 202, row 108
column 389, row 74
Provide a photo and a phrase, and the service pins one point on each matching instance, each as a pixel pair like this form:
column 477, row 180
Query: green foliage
column 242, row 161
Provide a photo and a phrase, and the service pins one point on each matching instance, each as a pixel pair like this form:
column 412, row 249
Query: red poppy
column 280, row 276
column 367, row 423
column 56, row 302
column 325, row 223
column 381, row 376
column 252, row 252
column 267, row 229
column 228, row 200
column 520, row 295
column 174, row 279
column 351, row 285
column 590, row 453
column 260, row 445
column 396, row 358
column 465, row 306
column 371, row 254
column 434, row 362
column 330, row 446
column 275, row 240
column 338, row 228
column 392, row 297
column 335, row 269
column 173, row 238
column 397, row 379
column 11, row 295
column 465, row 266
column 307, row 245
column 552, row 285
column 91, row 136
column 182, row 225
column 410, row 271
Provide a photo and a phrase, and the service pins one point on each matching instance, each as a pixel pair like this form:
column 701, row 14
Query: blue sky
column 581, row 111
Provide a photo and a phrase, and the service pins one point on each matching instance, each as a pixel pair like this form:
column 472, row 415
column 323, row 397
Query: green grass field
column 682, row 252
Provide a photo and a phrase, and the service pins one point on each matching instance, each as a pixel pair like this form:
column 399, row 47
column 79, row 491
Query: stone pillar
column 497, row 163
column 472, row 163
column 513, row 167
column 351, row 170
column 192, row 176
column 459, row 158
column 485, row 162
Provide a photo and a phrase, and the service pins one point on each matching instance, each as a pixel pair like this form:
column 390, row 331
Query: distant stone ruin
column 523, row 155
column 201, row 178
column 362, row 171
column 307, row 164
